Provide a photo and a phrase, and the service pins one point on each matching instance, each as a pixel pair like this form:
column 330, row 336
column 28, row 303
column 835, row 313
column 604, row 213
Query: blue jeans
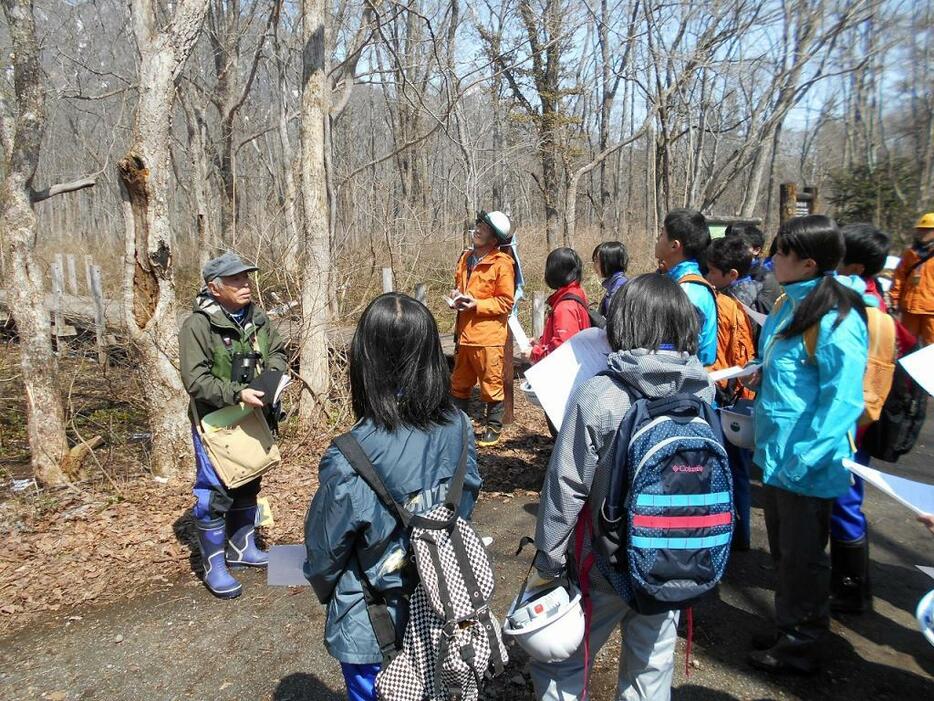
column 360, row 680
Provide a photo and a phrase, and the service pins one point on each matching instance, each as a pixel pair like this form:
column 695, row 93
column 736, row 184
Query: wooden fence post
column 97, row 293
column 387, row 280
column 538, row 315
column 508, row 375
column 787, row 201
column 421, row 292
column 72, row 274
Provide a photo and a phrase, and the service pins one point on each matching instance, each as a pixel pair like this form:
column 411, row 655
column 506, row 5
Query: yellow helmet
column 926, row 221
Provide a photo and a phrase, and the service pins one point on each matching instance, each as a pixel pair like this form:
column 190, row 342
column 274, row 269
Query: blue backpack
column 667, row 520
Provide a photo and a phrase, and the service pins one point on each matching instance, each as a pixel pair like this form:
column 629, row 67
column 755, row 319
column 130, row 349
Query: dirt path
column 181, row 643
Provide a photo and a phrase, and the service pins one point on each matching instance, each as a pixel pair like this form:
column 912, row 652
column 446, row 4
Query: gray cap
column 227, row 264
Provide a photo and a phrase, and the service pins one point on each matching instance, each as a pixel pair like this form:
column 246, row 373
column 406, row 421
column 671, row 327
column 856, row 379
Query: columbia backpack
column 452, row 640
column 735, row 344
column 900, row 421
column 667, row 520
column 597, row 320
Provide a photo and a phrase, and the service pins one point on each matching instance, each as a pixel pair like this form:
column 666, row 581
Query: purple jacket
column 611, row 285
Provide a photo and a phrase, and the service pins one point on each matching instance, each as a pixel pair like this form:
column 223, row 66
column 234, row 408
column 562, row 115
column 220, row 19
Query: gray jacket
column 347, row 528
column 583, row 455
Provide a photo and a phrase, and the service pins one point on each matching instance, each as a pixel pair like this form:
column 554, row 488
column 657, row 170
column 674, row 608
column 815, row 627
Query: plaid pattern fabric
column 448, row 646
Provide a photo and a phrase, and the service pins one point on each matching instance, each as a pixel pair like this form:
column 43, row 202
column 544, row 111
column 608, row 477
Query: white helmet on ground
column 925, row 615
column 739, row 424
column 547, row 623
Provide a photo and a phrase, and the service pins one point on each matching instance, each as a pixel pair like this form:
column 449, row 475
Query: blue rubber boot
column 218, row 580
column 241, row 538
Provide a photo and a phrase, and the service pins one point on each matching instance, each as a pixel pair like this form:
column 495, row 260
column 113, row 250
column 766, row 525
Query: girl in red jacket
column 568, row 303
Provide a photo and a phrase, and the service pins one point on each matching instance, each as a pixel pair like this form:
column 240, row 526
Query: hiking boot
column 849, row 578
column 241, row 538
column 218, row 580
column 494, row 424
column 788, row 656
column 461, row 404
column 763, row 641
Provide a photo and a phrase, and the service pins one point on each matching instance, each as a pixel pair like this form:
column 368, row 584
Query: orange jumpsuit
column 481, row 332
column 913, row 294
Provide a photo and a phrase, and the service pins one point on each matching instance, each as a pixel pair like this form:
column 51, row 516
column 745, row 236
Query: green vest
column 257, row 339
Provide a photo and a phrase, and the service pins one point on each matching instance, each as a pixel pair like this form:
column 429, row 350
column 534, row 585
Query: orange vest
column 913, row 290
column 493, row 284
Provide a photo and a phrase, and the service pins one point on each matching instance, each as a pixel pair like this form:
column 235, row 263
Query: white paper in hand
column 560, row 373
column 917, row 496
column 757, row 317
column 920, row 365
column 735, row 371
column 518, row 334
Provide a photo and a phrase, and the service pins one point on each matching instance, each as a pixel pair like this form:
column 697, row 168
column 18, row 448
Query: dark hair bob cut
column 818, row 238
column 867, row 246
column 752, row 233
column 562, row 267
column 399, row 376
column 651, row 311
column 726, row 254
column 612, row 257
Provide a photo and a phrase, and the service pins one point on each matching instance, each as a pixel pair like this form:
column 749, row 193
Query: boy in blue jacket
column 680, row 248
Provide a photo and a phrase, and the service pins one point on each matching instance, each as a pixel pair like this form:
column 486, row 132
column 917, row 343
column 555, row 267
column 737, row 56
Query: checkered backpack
column 452, row 640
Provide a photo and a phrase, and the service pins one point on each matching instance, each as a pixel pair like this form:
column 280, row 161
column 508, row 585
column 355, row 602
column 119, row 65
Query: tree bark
column 45, row 414
column 316, row 230
column 149, row 276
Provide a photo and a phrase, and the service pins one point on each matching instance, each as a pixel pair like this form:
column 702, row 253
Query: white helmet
column 547, row 623
column 500, row 224
column 530, row 394
column 925, row 616
column 739, row 424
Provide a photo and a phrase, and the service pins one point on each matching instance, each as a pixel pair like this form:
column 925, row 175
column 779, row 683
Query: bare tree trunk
column 149, row 279
column 45, row 414
column 316, row 282
column 208, row 243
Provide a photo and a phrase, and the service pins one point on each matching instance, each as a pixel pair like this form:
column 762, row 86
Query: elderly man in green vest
column 225, row 343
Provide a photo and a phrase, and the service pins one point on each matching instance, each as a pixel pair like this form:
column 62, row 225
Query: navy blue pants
column 213, row 499
column 740, row 462
column 847, row 520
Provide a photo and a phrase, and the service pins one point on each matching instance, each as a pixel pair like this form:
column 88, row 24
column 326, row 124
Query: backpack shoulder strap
column 921, row 261
column 350, row 448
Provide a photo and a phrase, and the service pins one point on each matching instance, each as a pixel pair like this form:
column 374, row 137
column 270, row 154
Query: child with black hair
column 567, row 305
column 408, row 426
column 760, row 270
column 652, row 332
column 680, row 249
column 806, row 408
column 610, row 261
column 728, row 263
column 866, row 251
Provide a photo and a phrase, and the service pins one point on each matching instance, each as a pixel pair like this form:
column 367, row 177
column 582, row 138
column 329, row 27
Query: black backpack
column 900, row 422
column 597, row 320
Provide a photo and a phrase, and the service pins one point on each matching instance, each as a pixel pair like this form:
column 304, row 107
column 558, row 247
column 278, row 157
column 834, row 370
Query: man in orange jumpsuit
column 912, row 290
column 485, row 288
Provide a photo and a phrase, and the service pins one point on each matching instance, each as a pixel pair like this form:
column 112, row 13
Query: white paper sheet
column 735, row 371
column 891, row 262
column 285, row 566
column 757, row 317
column 917, row 496
column 920, row 365
column 929, row 571
column 518, row 334
column 575, row 361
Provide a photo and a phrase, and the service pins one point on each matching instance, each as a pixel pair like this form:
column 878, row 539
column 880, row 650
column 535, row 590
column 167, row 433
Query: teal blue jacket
column 807, row 408
column 706, row 305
